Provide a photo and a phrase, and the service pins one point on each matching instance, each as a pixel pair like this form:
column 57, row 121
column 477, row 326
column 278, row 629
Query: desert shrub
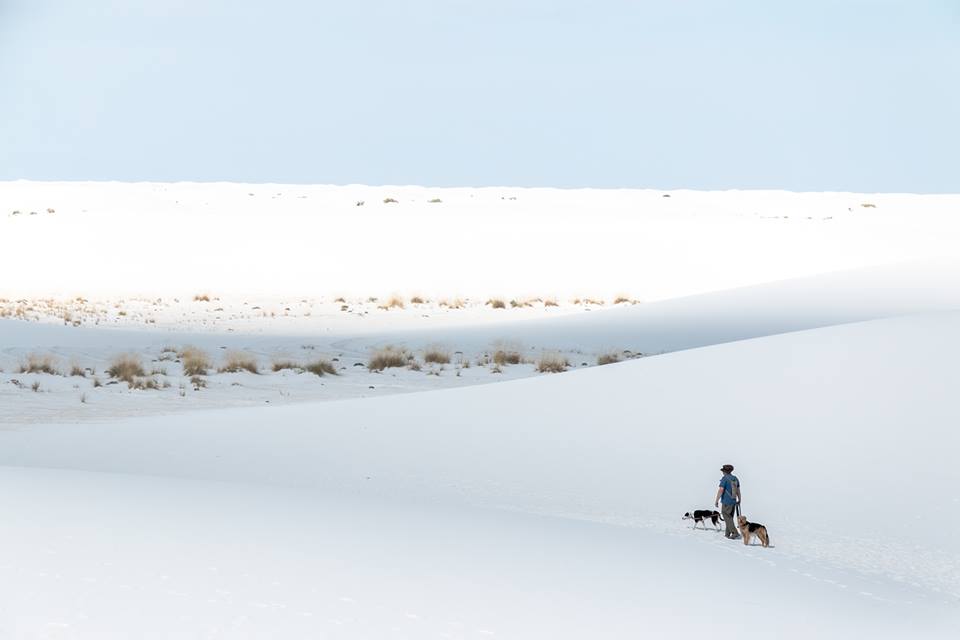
column 417, row 300
column 552, row 363
column 516, row 304
column 321, row 367
column 497, row 303
column 387, row 357
column 621, row 300
column 39, row 363
column 506, row 356
column 394, row 302
column 237, row 361
column 126, row 367
column 280, row 365
column 436, row 355
column 390, row 201
column 339, row 299
column 198, row 383
column 143, row 383
column 201, row 297
column 195, row 361
column 550, row 302
column 608, row 358
column 77, row 370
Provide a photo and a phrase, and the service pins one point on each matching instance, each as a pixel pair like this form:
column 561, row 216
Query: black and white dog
column 700, row 515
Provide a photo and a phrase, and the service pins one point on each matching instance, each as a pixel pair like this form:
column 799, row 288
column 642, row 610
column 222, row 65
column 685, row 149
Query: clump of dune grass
column 506, row 356
column 394, row 302
column 195, row 361
column 436, row 355
column 198, row 383
column 143, row 384
column 517, row 304
column 390, row 201
column 35, row 387
column 39, row 363
column 77, row 370
column 237, row 361
column 550, row 302
column 417, row 300
column 321, row 367
column 434, row 200
column 126, row 367
column 552, row 363
column 496, row 303
column 280, row 365
column 868, row 205
column 201, row 297
column 608, row 358
column 96, row 382
column 455, row 303
column 621, row 300
column 388, row 357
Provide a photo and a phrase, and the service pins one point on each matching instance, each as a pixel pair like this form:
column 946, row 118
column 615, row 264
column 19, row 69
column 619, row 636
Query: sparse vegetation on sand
column 496, row 303
column 436, row 355
column 552, row 363
column 388, row 357
column 417, row 300
column 126, row 367
column 321, row 367
column 456, row 303
column 201, row 297
column 550, row 302
column 390, row 201
column 237, row 361
column 39, row 363
column 621, row 300
column 608, row 358
column 195, row 361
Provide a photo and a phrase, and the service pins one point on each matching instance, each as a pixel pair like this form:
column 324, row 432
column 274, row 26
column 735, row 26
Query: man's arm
column 716, row 501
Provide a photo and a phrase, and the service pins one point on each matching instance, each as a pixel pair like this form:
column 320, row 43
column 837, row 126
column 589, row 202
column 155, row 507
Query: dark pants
column 729, row 519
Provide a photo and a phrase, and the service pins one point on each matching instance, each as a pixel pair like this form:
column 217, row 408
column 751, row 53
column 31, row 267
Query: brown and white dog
column 748, row 529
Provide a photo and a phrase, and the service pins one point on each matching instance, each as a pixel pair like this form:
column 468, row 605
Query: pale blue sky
column 857, row 95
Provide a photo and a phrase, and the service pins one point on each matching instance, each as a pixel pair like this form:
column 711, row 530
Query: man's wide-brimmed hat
column 726, row 467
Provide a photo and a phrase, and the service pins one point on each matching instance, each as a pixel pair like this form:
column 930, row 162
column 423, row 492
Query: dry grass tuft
column 506, row 356
column 394, row 302
column 517, row 304
column 621, row 300
column 608, row 358
column 280, row 365
column 126, row 367
column 321, row 367
column 77, row 370
column 417, row 300
column 237, row 361
column 388, row 357
column 456, row 303
column 497, row 303
column 552, row 363
column 868, row 205
column 195, row 361
column 35, row 386
column 550, row 302
column 201, row 297
column 390, row 201
column 198, row 383
column 436, row 355
column 39, row 363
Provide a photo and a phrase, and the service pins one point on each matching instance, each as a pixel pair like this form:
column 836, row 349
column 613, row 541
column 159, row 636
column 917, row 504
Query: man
column 729, row 494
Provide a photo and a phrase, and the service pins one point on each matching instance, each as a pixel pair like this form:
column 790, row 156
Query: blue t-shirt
column 729, row 482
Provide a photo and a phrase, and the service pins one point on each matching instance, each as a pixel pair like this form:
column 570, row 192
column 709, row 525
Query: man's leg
column 727, row 511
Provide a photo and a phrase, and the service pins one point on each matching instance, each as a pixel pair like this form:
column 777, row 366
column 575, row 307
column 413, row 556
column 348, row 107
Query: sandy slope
column 843, row 438
column 347, row 339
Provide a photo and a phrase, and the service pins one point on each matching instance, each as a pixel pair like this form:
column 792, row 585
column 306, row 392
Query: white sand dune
column 546, row 507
